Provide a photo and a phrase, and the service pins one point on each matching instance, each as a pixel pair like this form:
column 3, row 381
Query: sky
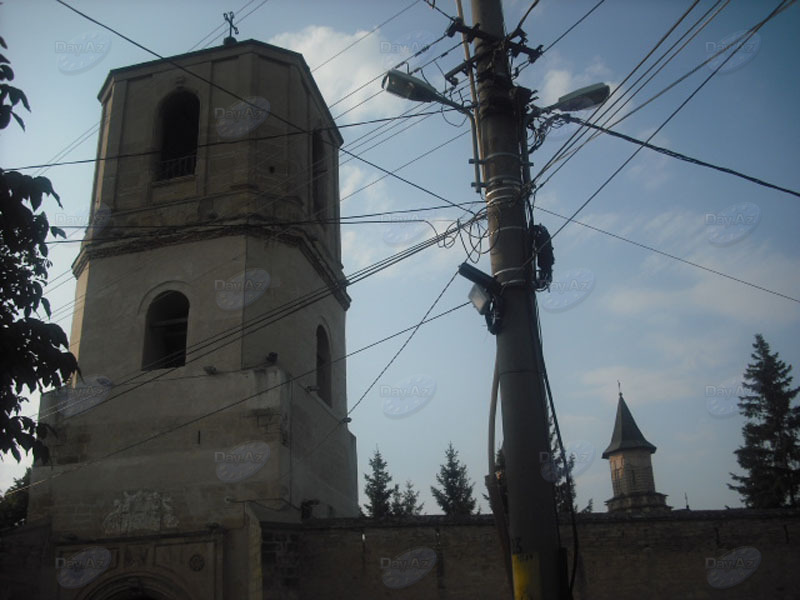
column 675, row 335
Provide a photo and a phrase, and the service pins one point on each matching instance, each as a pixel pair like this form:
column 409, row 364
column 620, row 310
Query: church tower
column 209, row 327
column 629, row 456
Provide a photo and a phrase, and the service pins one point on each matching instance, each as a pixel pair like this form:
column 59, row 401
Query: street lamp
column 586, row 97
column 582, row 99
column 412, row 88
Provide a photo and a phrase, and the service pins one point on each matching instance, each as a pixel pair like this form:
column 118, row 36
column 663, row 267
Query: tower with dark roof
column 631, row 467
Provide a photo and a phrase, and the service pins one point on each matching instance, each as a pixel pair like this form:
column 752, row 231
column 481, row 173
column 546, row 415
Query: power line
column 387, row 173
column 380, row 75
column 230, row 142
column 563, row 152
column 578, row 22
column 233, row 94
column 522, row 67
column 680, row 156
column 388, row 364
column 236, row 402
column 91, row 130
column 301, row 183
column 668, row 255
column 277, row 313
column 432, row 4
column 95, row 128
column 670, row 117
column 575, row 136
column 364, row 219
column 224, row 25
column 293, row 306
column 366, row 35
column 397, row 66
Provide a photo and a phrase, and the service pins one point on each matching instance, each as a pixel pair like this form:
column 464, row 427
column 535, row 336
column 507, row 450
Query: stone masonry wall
column 684, row 555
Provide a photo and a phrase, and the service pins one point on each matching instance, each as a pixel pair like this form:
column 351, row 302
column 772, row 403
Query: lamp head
column 587, row 97
column 407, row 86
column 480, row 298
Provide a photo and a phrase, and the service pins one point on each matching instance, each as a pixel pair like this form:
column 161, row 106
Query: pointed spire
column 626, row 434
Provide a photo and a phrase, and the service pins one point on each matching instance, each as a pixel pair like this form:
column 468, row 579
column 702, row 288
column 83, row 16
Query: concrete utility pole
column 531, row 504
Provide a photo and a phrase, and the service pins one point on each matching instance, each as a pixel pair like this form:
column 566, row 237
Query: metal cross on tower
column 231, row 27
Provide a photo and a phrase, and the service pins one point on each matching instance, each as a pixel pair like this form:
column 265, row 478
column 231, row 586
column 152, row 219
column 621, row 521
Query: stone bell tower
column 209, row 328
column 629, row 456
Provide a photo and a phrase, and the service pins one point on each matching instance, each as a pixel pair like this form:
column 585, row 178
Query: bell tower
column 629, row 456
column 209, row 324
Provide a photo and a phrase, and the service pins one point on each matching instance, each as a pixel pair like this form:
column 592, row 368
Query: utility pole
column 531, row 505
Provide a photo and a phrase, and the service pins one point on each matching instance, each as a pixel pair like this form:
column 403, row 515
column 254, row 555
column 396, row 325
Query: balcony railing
column 176, row 167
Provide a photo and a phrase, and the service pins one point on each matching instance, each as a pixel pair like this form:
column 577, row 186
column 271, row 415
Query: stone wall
column 678, row 556
column 684, row 555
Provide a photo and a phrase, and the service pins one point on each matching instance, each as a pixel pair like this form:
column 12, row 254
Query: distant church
column 629, row 456
column 205, row 454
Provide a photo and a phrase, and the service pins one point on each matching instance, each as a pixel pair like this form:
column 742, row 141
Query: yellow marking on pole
column 527, row 577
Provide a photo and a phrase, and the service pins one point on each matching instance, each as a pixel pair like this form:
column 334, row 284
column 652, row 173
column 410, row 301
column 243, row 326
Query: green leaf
column 46, row 305
column 19, row 121
column 16, row 95
column 3, row 43
column 6, row 72
column 57, row 232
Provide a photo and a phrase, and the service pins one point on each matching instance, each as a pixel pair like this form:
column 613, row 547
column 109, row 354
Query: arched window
column 323, row 366
column 180, row 118
column 165, row 333
column 319, row 175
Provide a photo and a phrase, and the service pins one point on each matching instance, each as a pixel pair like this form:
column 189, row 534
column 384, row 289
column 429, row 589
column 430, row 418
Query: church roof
column 626, row 434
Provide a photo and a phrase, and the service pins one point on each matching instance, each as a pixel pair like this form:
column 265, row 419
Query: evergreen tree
column 564, row 490
column 770, row 455
column 554, row 471
column 14, row 507
column 406, row 504
column 455, row 497
column 378, row 489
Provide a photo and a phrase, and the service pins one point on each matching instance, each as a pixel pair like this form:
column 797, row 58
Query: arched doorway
column 139, row 586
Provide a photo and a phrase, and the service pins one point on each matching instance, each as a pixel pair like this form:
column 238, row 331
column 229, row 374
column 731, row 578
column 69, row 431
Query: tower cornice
column 277, row 231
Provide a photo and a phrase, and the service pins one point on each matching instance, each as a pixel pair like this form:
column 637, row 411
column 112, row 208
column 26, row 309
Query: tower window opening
column 323, row 366
column 180, row 118
column 165, row 333
column 319, row 176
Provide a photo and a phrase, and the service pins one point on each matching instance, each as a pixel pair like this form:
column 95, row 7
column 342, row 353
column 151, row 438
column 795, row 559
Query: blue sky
column 676, row 336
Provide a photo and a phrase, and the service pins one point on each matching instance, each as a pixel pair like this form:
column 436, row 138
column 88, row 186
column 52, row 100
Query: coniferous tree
column 14, row 507
column 455, row 497
column 378, row 489
column 770, row 455
column 564, row 494
column 406, row 503
column 563, row 489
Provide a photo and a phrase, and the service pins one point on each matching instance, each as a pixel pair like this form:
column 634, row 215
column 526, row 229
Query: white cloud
column 559, row 79
column 713, row 296
column 639, row 385
column 345, row 73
